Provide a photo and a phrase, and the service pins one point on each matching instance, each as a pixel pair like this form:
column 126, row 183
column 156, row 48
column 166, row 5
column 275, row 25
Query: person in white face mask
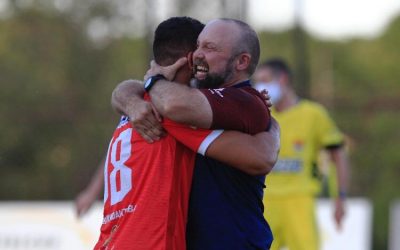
column 273, row 87
column 293, row 184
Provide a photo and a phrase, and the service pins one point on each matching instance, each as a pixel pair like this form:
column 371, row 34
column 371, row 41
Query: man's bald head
column 246, row 42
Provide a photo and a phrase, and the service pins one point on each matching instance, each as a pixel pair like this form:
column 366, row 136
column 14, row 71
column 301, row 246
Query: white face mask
column 273, row 88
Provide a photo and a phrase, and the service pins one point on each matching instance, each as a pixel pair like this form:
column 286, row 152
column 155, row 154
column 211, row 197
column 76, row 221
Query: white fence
column 54, row 226
column 394, row 226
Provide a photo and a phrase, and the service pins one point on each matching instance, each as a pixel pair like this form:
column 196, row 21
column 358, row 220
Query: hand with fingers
column 146, row 121
column 167, row 71
column 267, row 98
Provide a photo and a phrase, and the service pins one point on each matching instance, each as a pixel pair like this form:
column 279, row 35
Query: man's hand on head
column 146, row 121
column 168, row 71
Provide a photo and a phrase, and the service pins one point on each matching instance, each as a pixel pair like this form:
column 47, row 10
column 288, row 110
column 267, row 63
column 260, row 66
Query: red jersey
column 147, row 188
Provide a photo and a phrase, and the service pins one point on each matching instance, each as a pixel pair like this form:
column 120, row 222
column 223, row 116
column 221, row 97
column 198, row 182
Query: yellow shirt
column 306, row 128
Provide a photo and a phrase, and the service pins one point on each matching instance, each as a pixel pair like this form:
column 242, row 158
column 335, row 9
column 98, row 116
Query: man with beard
column 225, row 209
column 147, row 185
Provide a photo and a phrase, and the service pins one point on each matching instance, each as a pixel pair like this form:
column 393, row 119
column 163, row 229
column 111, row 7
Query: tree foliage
column 56, row 118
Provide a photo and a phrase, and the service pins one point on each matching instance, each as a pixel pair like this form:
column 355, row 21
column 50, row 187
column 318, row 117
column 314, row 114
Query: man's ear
column 190, row 60
column 243, row 61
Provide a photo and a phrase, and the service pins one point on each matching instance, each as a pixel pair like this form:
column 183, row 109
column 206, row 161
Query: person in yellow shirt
column 293, row 184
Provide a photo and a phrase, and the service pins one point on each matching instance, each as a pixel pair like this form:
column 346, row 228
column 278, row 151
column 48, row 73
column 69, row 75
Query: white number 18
column 119, row 151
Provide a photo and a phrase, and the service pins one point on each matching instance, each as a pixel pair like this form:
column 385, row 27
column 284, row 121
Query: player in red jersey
column 147, row 185
column 142, row 197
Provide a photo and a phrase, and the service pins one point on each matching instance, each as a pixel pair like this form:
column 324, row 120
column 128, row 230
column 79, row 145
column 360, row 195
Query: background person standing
column 293, row 184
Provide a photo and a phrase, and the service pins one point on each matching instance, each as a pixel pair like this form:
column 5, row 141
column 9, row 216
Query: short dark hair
column 278, row 66
column 174, row 38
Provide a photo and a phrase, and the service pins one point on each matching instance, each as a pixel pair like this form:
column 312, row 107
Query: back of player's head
column 175, row 38
column 248, row 42
column 277, row 66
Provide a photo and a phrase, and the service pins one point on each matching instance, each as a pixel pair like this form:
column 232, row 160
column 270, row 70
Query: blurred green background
column 59, row 64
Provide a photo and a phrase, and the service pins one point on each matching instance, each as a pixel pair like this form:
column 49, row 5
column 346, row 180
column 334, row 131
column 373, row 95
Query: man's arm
column 182, row 104
column 254, row 155
column 177, row 101
column 127, row 99
column 340, row 159
column 89, row 195
column 126, row 96
column 333, row 140
column 169, row 99
column 187, row 105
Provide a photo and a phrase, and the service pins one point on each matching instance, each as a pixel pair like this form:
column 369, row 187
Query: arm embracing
column 182, row 104
column 127, row 99
column 126, row 95
column 177, row 101
column 254, row 155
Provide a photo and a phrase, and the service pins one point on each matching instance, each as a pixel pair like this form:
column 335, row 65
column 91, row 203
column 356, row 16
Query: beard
column 212, row 81
column 216, row 80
